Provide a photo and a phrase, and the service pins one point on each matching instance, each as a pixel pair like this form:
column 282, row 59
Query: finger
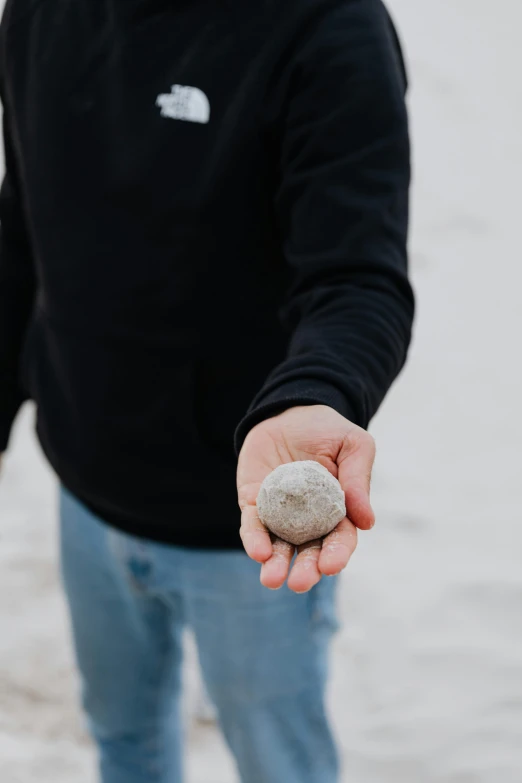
column 338, row 547
column 254, row 535
column 355, row 470
column 305, row 571
column 275, row 570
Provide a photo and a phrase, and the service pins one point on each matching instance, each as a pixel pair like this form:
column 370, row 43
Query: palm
column 302, row 433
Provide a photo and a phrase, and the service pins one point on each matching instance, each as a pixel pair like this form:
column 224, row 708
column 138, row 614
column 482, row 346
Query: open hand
column 319, row 433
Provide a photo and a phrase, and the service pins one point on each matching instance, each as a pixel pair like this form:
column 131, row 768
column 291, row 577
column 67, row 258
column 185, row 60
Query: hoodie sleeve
column 17, row 288
column 342, row 205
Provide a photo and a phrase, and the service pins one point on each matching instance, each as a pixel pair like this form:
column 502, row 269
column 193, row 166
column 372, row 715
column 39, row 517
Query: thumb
column 355, row 463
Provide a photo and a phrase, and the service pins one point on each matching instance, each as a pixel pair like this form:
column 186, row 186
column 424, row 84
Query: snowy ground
column 427, row 676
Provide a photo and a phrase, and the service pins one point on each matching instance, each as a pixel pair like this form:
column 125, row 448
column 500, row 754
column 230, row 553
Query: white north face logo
column 184, row 103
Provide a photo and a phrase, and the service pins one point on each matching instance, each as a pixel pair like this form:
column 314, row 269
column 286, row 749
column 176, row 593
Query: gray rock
column 301, row 501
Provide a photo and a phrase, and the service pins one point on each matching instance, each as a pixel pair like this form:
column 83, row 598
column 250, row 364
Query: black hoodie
column 204, row 221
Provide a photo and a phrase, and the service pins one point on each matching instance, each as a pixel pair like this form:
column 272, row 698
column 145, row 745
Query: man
column 203, row 256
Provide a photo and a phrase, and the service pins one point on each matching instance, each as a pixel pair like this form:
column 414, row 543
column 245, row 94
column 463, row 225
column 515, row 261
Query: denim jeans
column 263, row 655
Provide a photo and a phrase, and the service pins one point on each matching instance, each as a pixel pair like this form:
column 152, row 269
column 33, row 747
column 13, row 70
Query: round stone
column 301, row 501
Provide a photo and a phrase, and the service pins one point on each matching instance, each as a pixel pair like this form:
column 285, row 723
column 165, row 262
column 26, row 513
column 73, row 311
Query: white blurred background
column 427, row 675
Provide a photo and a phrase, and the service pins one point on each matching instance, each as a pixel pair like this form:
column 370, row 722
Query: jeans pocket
column 323, row 607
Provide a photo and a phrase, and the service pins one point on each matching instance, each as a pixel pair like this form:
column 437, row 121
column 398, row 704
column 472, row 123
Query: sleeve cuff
column 7, row 417
column 290, row 395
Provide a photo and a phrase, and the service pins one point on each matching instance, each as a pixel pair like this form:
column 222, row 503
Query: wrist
column 293, row 394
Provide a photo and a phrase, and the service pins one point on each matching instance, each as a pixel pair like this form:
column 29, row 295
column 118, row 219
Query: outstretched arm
column 343, row 209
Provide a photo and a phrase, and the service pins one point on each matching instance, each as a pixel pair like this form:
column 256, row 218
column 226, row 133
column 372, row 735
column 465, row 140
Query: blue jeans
column 263, row 655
